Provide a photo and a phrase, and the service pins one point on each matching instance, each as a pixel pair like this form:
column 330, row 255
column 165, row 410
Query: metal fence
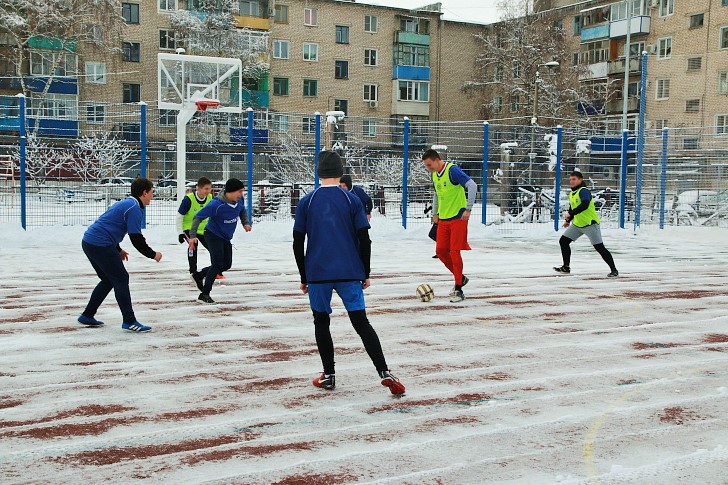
column 80, row 159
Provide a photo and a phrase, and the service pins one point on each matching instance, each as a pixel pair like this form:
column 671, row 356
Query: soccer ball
column 425, row 292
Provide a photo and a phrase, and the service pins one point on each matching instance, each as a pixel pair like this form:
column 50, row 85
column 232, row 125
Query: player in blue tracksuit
column 337, row 257
column 101, row 245
column 348, row 184
column 223, row 213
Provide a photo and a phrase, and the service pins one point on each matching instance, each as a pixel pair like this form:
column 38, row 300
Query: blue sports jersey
column 363, row 196
column 330, row 218
column 124, row 217
column 223, row 217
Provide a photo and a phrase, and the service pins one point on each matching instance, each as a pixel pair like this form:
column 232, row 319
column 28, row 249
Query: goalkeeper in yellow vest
column 582, row 219
column 191, row 204
column 451, row 211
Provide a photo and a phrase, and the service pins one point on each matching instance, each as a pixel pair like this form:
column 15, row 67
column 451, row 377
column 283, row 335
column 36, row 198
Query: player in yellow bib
column 191, row 204
column 582, row 219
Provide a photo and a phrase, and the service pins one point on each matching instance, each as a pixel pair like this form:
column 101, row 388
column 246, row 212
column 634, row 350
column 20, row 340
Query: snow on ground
column 535, row 378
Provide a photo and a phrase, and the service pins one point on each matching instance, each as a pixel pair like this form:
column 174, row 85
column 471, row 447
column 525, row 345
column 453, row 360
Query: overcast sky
column 483, row 11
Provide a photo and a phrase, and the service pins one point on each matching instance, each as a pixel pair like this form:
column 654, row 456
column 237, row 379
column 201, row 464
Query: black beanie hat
column 346, row 180
column 330, row 165
column 233, row 185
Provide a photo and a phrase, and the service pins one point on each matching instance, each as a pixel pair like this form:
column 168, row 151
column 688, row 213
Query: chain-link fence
column 79, row 159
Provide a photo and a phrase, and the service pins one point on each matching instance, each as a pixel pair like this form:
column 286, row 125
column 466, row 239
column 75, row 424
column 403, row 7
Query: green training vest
column 196, row 206
column 451, row 198
column 585, row 218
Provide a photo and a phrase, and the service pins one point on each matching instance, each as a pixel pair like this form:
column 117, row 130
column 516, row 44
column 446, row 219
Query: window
column 95, row 73
column 167, row 117
column 280, row 15
column 667, row 7
column 279, row 122
column 341, row 105
column 497, row 104
column 515, row 102
column 695, row 63
column 342, row 34
column 56, row 106
column 369, row 127
column 280, row 49
column 663, row 89
column 341, row 69
column 166, row 39
column 280, row 86
column 45, row 63
column 723, row 82
column 249, row 8
column 370, row 92
column 412, row 55
column 370, row 23
column 724, row 37
column 633, row 90
column 721, row 125
column 665, row 48
column 309, row 125
column 661, row 124
column 691, row 143
column 167, row 5
column 310, row 88
column 516, row 70
column 414, row 91
column 559, row 25
column 310, row 52
column 692, row 105
column 417, row 26
column 131, row 93
column 131, row 51
column 95, row 113
column 370, row 57
column 575, row 59
column 130, row 12
column 696, row 21
column 310, row 17
column 95, row 33
column 595, row 52
column 498, row 74
column 636, row 49
column 577, row 25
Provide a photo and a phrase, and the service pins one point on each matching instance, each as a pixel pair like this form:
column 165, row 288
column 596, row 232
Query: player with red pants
column 451, row 211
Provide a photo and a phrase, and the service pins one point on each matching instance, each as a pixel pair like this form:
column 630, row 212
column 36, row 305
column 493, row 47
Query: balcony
column 640, row 25
column 404, row 37
column 256, row 23
column 240, row 135
column 53, row 126
column 59, row 85
column 52, row 43
column 596, row 71
column 617, row 67
column 589, row 34
column 413, row 73
column 10, row 83
column 615, row 105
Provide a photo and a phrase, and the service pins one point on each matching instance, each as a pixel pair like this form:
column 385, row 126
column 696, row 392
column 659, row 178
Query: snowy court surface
column 535, row 378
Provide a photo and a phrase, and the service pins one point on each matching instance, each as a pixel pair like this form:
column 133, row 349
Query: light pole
column 534, row 117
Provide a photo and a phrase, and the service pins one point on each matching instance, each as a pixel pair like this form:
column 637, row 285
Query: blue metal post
column 23, row 181
column 250, row 164
column 623, row 178
column 640, row 142
column 557, row 182
column 405, row 171
column 486, row 139
column 143, row 156
column 663, row 177
column 317, row 150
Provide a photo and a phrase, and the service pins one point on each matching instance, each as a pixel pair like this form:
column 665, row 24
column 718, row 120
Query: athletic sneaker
column 457, row 296
column 562, row 269
column 465, row 282
column 199, row 280
column 388, row 380
column 205, row 298
column 135, row 327
column 613, row 274
column 325, row 382
column 89, row 321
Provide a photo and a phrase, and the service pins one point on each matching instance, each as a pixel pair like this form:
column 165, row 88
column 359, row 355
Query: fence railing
column 69, row 170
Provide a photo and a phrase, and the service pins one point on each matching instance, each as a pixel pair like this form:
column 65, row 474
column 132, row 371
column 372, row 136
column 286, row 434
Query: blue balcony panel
column 604, row 145
column 593, row 33
column 240, row 135
column 59, row 85
column 54, row 127
column 413, row 73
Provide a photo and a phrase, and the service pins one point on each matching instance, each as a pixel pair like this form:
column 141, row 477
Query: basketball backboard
column 182, row 80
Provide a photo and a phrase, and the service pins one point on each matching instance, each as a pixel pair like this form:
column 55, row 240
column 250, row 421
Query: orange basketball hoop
column 203, row 104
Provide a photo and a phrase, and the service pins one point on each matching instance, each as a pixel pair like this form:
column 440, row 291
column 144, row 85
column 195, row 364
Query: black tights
column 361, row 324
column 564, row 242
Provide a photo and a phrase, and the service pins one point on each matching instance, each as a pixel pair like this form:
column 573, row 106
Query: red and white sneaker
column 388, row 380
column 219, row 277
column 325, row 382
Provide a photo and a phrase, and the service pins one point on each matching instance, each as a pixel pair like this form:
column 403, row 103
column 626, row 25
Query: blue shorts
column 350, row 292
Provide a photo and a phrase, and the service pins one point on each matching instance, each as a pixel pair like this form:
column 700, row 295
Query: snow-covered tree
column 292, row 161
column 98, row 156
column 513, row 75
column 42, row 161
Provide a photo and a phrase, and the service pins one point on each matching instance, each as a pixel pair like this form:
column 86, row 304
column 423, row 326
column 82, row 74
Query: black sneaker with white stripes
column 135, row 327
column 562, row 269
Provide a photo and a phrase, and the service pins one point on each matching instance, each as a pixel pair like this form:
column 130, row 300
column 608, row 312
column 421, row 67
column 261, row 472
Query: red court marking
column 259, row 450
column 10, row 404
column 404, row 405
column 676, row 295
column 564, row 330
column 524, row 302
column 498, row 376
column 677, row 415
column 82, row 411
column 316, row 479
column 655, row 345
column 270, row 384
column 284, row 356
column 716, row 338
column 645, row 356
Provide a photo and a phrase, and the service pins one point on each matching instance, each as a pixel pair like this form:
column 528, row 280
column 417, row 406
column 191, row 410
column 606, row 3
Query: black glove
column 182, row 238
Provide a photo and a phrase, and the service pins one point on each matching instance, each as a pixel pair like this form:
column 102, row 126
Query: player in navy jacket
column 337, row 258
column 348, row 184
column 101, row 245
column 223, row 213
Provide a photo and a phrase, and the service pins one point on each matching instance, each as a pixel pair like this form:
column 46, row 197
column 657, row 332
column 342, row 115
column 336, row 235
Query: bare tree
column 292, row 162
column 100, row 155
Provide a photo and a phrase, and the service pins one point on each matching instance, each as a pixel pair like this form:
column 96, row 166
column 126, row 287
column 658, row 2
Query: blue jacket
column 223, row 217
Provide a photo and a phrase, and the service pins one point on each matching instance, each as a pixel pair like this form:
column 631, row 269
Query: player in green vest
column 582, row 219
column 191, row 204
